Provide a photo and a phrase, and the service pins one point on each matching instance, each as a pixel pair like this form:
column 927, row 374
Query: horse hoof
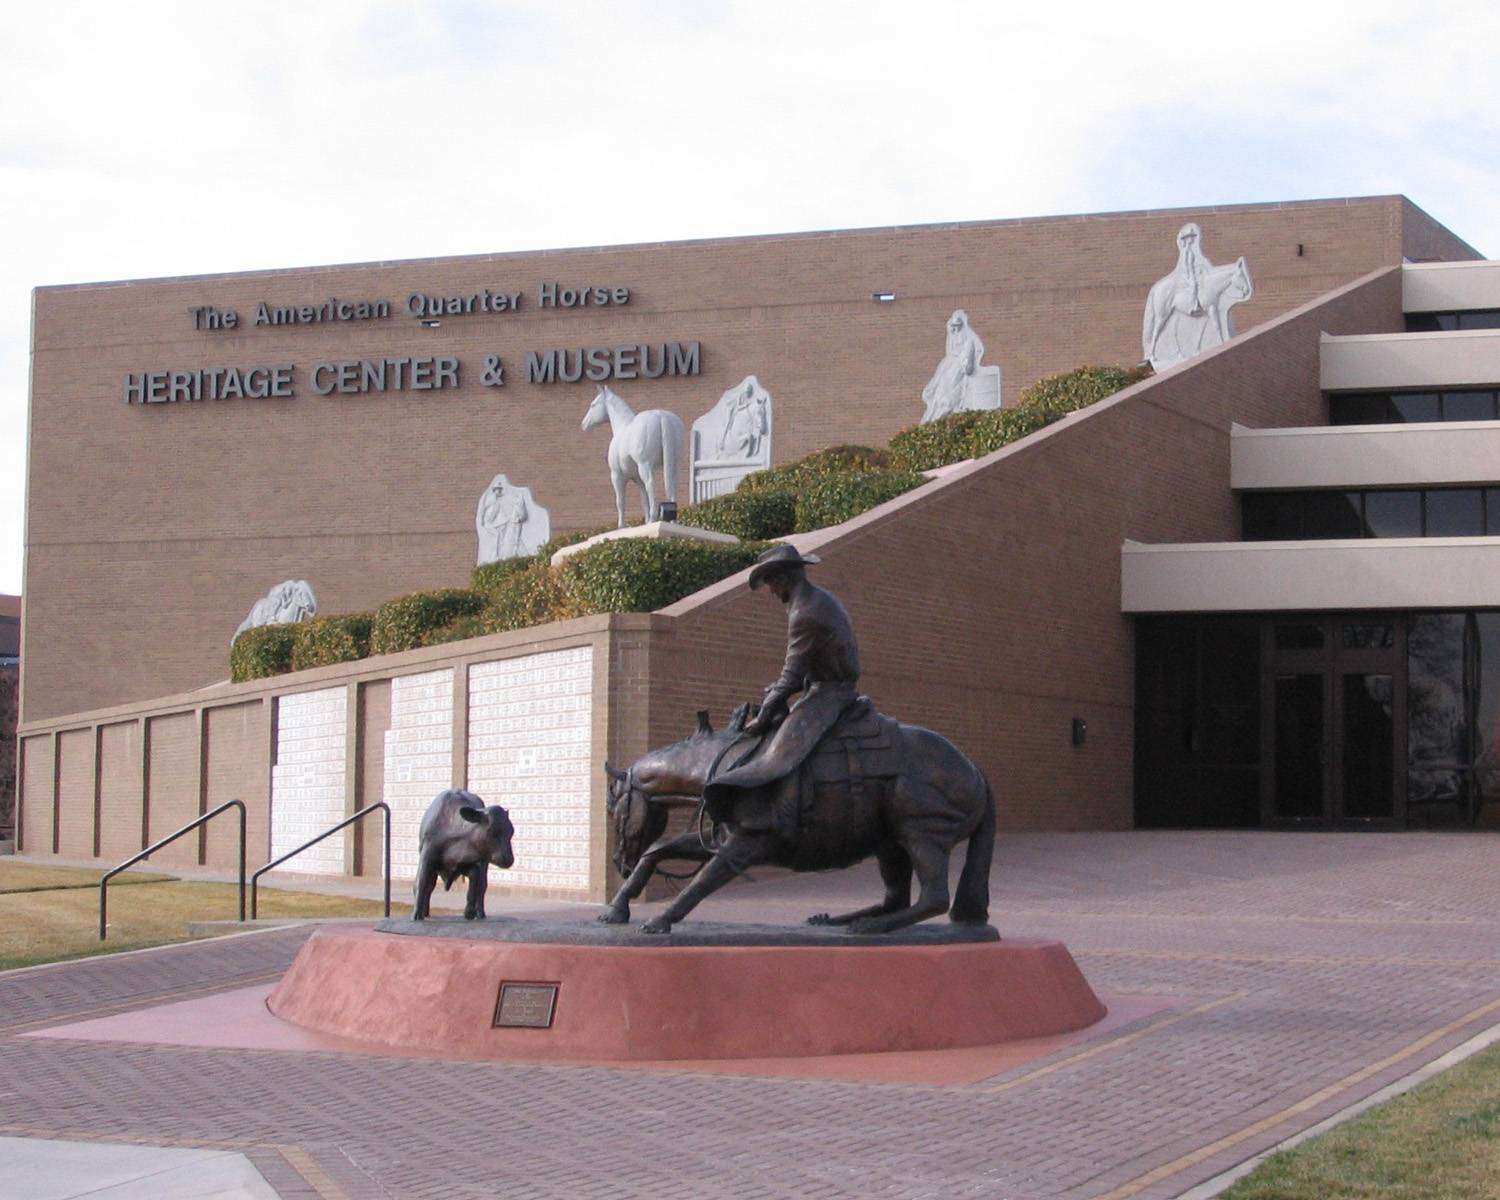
column 865, row 925
column 611, row 917
column 820, row 919
column 657, row 927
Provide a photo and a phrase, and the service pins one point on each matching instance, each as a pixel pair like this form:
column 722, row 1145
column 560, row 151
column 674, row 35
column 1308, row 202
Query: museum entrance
column 1333, row 721
column 1317, row 720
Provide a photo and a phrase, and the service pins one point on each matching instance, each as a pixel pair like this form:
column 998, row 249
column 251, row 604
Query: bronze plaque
column 526, row 1005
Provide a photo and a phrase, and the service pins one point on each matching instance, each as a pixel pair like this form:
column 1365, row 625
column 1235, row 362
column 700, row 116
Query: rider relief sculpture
column 812, row 784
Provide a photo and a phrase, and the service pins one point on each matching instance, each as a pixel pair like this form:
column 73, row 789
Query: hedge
column 261, row 651
column 834, row 460
column 530, row 597
column 488, row 576
column 753, row 515
column 401, row 624
column 972, row 434
column 637, row 575
column 833, row 499
column 325, row 640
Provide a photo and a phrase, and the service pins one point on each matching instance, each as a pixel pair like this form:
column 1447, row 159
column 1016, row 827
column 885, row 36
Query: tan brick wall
column 75, row 780
column 237, row 768
column 36, row 787
column 375, row 719
column 119, row 790
column 172, row 799
column 151, row 530
column 988, row 608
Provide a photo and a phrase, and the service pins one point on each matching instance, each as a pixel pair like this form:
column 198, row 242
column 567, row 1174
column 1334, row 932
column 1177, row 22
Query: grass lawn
column 1440, row 1141
column 28, row 877
column 38, row 926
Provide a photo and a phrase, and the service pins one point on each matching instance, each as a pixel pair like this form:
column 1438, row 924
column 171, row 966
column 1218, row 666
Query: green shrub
column 1072, row 390
column 530, row 597
column 972, row 434
column 641, row 575
column 262, row 651
column 834, row 460
column 946, row 440
column 833, row 499
column 325, row 640
column 488, row 577
column 754, row 515
column 549, row 548
column 401, row 624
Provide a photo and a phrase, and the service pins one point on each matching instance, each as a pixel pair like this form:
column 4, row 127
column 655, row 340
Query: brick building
column 989, row 602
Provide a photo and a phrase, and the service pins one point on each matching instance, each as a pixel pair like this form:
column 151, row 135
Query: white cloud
column 158, row 139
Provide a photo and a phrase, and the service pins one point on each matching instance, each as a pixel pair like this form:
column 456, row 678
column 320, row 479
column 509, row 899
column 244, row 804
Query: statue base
column 570, row 991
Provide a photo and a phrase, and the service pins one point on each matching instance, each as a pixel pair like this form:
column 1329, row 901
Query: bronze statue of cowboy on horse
column 814, row 784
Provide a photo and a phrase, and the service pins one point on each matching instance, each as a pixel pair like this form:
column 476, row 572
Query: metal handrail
column 349, row 820
column 172, row 837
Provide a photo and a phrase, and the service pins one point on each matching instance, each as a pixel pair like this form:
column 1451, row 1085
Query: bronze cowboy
column 822, row 662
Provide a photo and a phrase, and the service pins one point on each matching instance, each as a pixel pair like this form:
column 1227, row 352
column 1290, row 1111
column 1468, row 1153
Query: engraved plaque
column 525, row 1005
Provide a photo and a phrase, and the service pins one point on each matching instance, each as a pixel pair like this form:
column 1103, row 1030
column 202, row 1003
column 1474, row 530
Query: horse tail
column 971, row 905
column 671, row 438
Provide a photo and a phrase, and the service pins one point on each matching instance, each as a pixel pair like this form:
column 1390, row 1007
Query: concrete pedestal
column 620, row 996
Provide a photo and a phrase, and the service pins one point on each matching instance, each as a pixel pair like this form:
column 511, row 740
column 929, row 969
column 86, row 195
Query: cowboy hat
column 779, row 558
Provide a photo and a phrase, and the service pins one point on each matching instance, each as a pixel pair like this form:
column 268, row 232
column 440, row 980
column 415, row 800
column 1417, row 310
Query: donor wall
column 528, row 728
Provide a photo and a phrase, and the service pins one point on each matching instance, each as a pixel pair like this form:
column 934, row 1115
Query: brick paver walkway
column 1313, row 969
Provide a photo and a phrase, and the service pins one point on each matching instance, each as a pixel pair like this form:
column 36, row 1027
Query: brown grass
column 63, row 922
column 30, row 877
column 1440, row 1141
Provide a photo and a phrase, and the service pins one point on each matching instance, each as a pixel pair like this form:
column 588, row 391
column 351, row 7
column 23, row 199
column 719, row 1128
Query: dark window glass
column 1271, row 516
column 1492, row 510
column 1416, row 406
column 1447, row 322
column 1360, row 408
column 1299, row 637
column 1431, row 322
column 1468, row 406
column 1299, row 746
column 1368, row 636
column 1485, row 707
column 1368, row 744
column 1331, row 515
column 1436, row 711
column 1230, row 719
column 1393, row 514
column 1454, row 512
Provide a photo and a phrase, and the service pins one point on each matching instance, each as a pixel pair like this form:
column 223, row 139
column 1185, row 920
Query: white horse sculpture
column 645, row 445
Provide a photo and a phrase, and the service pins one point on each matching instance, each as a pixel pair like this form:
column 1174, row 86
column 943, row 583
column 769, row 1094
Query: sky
column 150, row 139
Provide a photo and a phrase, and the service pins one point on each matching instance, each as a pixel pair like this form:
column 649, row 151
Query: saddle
column 861, row 745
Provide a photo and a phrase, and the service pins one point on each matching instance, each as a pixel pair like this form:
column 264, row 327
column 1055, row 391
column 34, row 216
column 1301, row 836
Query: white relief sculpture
column 646, row 446
column 1187, row 312
column 961, row 383
column 731, row 440
column 509, row 522
column 285, row 604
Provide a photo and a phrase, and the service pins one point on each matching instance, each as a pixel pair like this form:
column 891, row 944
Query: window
column 1393, row 512
column 1453, row 512
column 1448, row 322
column 1402, row 408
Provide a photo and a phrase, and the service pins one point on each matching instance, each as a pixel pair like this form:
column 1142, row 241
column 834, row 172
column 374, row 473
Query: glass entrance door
column 1334, row 709
column 1299, row 763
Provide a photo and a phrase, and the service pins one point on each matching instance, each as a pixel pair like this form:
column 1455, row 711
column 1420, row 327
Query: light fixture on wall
column 429, row 322
column 882, row 297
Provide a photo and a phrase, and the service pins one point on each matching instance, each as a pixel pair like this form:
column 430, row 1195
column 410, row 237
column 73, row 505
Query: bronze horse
column 910, row 820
